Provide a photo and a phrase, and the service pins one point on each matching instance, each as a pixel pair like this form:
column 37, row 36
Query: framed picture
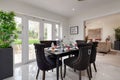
column 74, row 30
column 95, row 33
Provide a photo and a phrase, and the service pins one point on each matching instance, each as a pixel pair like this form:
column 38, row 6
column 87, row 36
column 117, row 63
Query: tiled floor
column 105, row 72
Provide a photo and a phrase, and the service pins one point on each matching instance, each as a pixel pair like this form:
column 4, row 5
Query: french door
column 33, row 35
column 17, row 47
column 47, row 31
column 28, row 34
column 31, row 30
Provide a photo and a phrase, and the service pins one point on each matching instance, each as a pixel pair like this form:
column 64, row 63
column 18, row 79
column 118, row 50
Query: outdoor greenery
column 31, row 41
column 33, row 34
column 117, row 33
column 18, row 41
column 8, row 31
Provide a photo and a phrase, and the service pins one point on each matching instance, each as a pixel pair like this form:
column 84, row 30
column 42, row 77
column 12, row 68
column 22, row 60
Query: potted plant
column 7, row 35
column 117, row 33
column 117, row 37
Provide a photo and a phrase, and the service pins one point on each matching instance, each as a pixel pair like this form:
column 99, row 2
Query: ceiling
column 67, row 8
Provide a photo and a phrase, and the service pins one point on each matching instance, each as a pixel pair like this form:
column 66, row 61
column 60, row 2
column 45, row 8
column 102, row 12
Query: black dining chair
column 49, row 42
column 80, row 62
column 44, row 63
column 80, row 41
column 93, row 57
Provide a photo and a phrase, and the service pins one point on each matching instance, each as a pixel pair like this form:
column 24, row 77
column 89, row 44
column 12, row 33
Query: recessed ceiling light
column 73, row 9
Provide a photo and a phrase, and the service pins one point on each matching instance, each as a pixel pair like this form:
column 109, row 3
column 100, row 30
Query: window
column 17, row 47
column 57, row 31
column 33, row 37
column 47, row 31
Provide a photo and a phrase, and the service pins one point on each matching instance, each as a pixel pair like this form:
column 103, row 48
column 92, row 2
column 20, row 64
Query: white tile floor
column 105, row 72
column 108, row 67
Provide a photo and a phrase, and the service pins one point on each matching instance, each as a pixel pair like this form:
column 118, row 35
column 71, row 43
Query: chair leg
column 61, row 72
column 43, row 78
column 37, row 74
column 79, row 75
column 74, row 70
column 90, row 70
column 88, row 74
column 64, row 70
column 94, row 67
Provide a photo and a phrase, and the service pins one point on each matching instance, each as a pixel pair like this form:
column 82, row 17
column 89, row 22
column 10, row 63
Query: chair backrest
column 80, row 41
column 49, row 42
column 83, row 59
column 93, row 52
column 42, row 63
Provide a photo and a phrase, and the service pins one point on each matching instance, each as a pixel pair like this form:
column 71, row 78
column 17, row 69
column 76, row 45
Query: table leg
column 57, row 67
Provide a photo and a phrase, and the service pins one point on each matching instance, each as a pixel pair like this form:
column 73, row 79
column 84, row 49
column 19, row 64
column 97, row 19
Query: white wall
column 95, row 12
column 77, row 21
column 26, row 9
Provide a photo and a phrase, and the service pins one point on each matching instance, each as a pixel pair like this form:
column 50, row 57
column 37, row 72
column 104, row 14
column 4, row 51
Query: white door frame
column 25, row 37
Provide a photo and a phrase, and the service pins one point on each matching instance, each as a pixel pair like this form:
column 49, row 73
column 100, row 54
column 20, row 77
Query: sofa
column 104, row 47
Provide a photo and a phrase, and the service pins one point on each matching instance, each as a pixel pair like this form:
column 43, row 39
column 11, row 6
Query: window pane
column 33, row 37
column 57, row 30
column 17, row 47
column 47, row 31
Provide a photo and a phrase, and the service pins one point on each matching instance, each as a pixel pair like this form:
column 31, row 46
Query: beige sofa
column 104, row 47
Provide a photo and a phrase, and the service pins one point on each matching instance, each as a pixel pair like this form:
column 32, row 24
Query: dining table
column 59, row 53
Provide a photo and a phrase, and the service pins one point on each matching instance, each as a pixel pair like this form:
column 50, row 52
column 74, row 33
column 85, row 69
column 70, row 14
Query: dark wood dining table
column 59, row 53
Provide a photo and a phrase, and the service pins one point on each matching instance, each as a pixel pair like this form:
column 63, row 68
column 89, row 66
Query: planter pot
column 117, row 45
column 6, row 62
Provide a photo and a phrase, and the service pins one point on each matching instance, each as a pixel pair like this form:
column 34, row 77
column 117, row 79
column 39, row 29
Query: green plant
column 117, row 33
column 32, row 41
column 7, row 29
column 17, row 41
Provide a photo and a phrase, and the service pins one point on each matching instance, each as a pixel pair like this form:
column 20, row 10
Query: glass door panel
column 17, row 47
column 47, row 31
column 33, row 37
column 57, row 31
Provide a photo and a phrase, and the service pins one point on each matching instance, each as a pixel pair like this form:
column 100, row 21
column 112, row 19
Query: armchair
column 104, row 47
